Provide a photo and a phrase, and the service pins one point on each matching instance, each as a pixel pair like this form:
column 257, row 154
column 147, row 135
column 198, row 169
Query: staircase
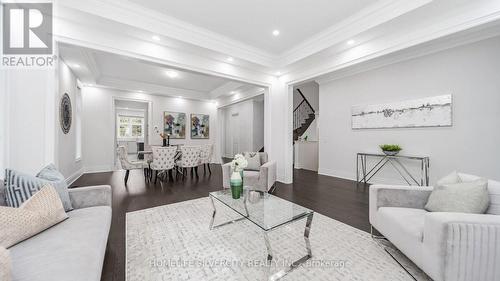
column 303, row 116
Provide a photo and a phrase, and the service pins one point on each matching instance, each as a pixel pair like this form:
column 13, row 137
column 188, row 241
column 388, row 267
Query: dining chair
column 163, row 160
column 130, row 165
column 206, row 152
column 190, row 158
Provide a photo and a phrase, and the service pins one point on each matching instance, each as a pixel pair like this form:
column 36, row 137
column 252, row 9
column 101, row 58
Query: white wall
column 30, row 118
column 99, row 123
column 66, row 160
column 470, row 73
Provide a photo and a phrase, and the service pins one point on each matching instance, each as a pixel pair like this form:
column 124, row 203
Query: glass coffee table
column 268, row 212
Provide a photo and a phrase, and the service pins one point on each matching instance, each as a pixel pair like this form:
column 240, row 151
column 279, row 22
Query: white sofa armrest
column 267, row 176
column 397, row 196
column 460, row 246
column 90, row 196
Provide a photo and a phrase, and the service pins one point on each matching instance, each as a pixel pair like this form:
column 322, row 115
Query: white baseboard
column 98, row 169
column 72, row 178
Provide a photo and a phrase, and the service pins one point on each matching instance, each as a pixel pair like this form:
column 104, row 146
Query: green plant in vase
column 238, row 164
column 390, row 149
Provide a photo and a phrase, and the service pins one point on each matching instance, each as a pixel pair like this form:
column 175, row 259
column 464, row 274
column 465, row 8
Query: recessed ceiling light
column 276, row 32
column 351, row 42
column 76, row 65
column 140, row 91
column 172, row 73
column 230, row 59
column 278, row 73
column 156, row 38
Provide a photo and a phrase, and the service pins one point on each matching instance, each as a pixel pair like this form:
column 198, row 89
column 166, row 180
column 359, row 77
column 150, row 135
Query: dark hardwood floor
column 337, row 198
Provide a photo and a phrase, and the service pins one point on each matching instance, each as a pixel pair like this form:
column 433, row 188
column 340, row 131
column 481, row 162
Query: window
column 130, row 127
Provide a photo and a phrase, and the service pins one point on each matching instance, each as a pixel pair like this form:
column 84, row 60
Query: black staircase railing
column 304, row 100
column 303, row 115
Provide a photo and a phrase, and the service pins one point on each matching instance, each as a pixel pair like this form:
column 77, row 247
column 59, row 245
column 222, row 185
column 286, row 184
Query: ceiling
column 121, row 72
column 252, row 22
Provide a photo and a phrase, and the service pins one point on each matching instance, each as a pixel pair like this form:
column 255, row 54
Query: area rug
column 174, row 242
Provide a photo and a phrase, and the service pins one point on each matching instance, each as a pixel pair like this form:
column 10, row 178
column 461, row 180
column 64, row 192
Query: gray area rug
column 174, row 242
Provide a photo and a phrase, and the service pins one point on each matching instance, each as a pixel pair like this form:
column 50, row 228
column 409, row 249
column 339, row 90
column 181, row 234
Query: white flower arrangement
column 239, row 163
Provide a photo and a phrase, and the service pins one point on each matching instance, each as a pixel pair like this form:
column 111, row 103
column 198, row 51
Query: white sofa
column 72, row 250
column 446, row 246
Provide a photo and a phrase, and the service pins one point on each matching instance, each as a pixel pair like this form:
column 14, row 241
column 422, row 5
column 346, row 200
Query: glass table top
column 263, row 209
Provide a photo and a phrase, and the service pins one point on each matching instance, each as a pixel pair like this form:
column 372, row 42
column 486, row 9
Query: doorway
column 131, row 119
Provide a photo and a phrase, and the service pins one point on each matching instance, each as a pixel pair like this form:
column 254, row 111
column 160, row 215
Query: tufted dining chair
column 190, row 158
column 163, row 160
column 206, row 152
column 129, row 165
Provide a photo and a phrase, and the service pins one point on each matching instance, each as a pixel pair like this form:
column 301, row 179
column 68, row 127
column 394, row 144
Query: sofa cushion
column 39, row 212
column 404, row 227
column 5, row 265
column 464, row 197
column 72, row 250
column 251, row 178
column 19, row 187
column 58, row 180
column 253, row 160
column 453, row 177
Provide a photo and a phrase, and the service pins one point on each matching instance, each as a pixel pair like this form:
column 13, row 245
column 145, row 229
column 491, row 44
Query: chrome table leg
column 298, row 262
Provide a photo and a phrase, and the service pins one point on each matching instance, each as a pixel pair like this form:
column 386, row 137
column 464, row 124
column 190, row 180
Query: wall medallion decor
column 425, row 112
column 174, row 124
column 200, row 126
column 65, row 113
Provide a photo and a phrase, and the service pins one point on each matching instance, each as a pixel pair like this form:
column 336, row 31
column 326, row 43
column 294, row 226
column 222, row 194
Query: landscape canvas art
column 425, row 112
column 200, row 126
column 174, row 124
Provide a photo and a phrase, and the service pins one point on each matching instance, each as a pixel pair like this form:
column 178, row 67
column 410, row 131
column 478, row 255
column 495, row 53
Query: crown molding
column 152, row 89
column 431, row 47
column 128, row 13
column 370, row 17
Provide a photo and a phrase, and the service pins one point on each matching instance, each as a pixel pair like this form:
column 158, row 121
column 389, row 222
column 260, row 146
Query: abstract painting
column 200, row 126
column 425, row 112
column 174, row 124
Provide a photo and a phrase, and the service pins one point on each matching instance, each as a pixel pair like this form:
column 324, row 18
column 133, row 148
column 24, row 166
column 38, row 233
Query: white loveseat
column 446, row 246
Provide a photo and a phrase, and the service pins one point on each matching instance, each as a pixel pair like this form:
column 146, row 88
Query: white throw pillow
column 463, row 197
column 5, row 265
column 41, row 211
column 253, row 159
column 449, row 179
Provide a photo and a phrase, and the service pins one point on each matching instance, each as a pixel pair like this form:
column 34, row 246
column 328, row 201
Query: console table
column 364, row 173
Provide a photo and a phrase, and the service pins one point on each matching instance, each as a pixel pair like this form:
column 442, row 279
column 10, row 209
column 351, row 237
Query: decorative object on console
column 425, row 112
column 174, row 124
column 455, row 195
column 41, row 211
column 200, row 126
column 166, row 139
column 65, row 113
column 390, row 149
column 19, row 187
column 5, row 265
